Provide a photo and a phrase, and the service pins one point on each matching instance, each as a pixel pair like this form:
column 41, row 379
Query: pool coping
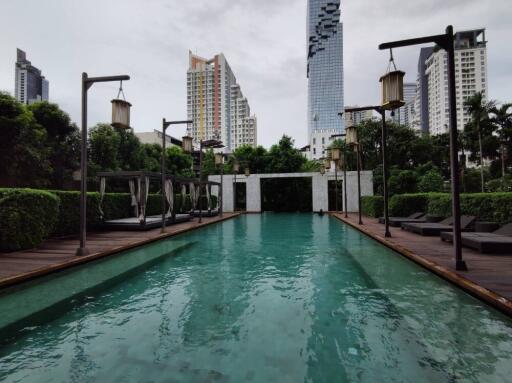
column 490, row 297
column 11, row 281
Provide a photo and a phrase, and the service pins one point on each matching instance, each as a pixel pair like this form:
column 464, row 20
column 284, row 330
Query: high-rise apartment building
column 324, row 72
column 29, row 85
column 470, row 77
column 401, row 115
column 216, row 105
column 420, row 120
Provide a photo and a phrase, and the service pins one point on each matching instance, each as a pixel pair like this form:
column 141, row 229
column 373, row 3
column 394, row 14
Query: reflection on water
column 270, row 298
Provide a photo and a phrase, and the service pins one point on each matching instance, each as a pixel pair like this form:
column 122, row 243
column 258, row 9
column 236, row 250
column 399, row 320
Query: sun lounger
column 397, row 221
column 206, row 213
column 497, row 242
column 434, row 229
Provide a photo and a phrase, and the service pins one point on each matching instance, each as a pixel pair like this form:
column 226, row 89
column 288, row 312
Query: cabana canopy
column 138, row 182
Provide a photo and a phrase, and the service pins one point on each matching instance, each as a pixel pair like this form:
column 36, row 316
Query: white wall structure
column 319, row 186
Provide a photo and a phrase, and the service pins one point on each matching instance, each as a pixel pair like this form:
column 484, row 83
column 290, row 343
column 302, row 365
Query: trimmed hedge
column 496, row 207
column 403, row 205
column 372, row 206
column 27, row 217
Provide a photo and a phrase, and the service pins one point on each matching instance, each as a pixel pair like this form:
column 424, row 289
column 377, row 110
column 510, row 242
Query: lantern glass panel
column 186, row 144
column 247, row 172
column 336, row 154
column 327, row 163
column 322, row 170
column 236, row 167
column 219, row 158
column 392, row 90
column 351, row 135
column 121, row 114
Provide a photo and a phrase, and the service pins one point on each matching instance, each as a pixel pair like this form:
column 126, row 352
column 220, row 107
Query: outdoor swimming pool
column 260, row 298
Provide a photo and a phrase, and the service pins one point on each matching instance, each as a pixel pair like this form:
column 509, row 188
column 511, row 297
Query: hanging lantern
column 247, row 172
column 392, row 87
column 186, row 144
column 327, row 163
column 219, row 158
column 336, row 154
column 121, row 110
column 351, row 135
column 236, row 167
column 322, row 170
column 121, row 114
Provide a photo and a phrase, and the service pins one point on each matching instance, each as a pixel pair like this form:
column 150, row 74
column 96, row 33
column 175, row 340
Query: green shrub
column 372, row 206
column 27, row 216
column 503, row 184
column 431, row 181
column 403, row 205
column 440, row 205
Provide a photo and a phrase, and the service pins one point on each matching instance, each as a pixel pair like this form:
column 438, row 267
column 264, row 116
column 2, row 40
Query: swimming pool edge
column 490, row 297
column 11, row 281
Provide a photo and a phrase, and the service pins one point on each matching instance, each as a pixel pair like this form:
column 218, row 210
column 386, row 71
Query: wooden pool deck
column 489, row 277
column 59, row 253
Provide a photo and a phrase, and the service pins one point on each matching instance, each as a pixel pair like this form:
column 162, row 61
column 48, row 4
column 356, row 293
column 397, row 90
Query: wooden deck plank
column 489, row 277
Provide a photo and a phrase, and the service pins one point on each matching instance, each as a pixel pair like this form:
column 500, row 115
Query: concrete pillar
column 320, row 192
column 253, row 194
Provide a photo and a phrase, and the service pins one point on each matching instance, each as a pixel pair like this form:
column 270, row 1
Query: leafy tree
column 178, row 162
column 104, row 149
column 402, row 181
column 23, row 153
column 62, row 142
column 151, row 157
column 129, row 150
column 480, row 123
column 432, row 181
column 284, row 157
column 502, row 118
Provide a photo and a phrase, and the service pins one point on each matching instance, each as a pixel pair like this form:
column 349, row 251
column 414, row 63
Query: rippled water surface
column 270, row 298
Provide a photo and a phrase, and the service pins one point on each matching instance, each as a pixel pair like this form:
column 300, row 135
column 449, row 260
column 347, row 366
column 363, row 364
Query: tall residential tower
column 29, row 85
column 216, row 105
column 324, row 72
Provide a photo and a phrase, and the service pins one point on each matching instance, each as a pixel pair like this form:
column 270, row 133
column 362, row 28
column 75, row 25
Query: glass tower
column 325, row 67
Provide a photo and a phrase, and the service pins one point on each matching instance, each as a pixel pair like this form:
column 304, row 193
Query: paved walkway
column 58, row 254
column 489, row 277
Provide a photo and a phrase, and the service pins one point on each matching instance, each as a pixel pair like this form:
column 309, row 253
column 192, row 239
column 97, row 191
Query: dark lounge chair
column 497, row 242
column 434, row 229
column 397, row 221
column 206, row 213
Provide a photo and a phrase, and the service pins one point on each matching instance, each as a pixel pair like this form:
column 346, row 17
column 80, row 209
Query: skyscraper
column 402, row 114
column 29, row 85
column 216, row 104
column 432, row 103
column 324, row 72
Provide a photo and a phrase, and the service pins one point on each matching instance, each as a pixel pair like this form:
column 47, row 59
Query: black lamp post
column 445, row 41
column 219, row 161
column 185, row 144
column 384, row 139
column 124, row 120
column 236, row 169
column 344, row 170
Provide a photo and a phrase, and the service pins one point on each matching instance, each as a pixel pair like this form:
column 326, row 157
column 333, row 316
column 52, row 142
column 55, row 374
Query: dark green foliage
column 402, row 181
column 23, row 151
column 432, row 181
column 403, row 205
column 470, row 181
column 372, row 206
column 27, row 217
column 503, row 184
column 62, row 142
column 286, row 194
column 440, row 205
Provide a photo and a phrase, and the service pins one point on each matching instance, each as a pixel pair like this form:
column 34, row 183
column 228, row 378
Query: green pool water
column 260, row 298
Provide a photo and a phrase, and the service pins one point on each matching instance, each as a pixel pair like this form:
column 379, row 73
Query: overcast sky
column 263, row 40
